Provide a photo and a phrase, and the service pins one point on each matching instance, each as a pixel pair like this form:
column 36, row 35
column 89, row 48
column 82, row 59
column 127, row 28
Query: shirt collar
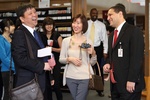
column 120, row 26
column 31, row 30
column 93, row 21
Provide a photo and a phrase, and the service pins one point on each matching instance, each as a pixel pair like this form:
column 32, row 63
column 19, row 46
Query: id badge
column 120, row 52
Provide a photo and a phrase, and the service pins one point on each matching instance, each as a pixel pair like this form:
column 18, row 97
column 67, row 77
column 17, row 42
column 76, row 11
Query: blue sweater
column 5, row 55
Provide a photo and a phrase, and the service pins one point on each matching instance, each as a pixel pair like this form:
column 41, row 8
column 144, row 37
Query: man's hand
column 130, row 86
column 47, row 67
column 105, row 56
column 52, row 82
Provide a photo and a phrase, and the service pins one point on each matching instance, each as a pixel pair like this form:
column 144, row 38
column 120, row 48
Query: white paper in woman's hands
column 44, row 52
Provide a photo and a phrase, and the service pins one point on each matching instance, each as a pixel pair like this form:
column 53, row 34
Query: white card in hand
column 44, row 52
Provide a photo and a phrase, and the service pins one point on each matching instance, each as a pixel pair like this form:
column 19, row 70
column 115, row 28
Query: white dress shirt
column 31, row 30
column 100, row 34
column 119, row 28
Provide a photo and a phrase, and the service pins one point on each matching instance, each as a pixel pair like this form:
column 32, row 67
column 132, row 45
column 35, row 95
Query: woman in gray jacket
column 78, row 54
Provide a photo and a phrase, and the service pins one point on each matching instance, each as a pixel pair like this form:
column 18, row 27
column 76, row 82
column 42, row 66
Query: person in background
column 97, row 33
column 27, row 67
column 7, row 27
column 77, row 59
column 50, row 34
column 18, row 23
column 1, row 81
column 1, row 85
column 109, row 29
column 126, row 53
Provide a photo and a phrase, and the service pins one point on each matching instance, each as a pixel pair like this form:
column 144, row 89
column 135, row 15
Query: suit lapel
column 29, row 34
column 120, row 34
column 111, row 40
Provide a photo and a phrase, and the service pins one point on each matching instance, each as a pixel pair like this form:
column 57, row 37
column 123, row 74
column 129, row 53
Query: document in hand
column 44, row 52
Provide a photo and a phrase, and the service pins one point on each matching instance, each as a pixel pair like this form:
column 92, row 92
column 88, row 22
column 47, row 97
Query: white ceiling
column 133, row 8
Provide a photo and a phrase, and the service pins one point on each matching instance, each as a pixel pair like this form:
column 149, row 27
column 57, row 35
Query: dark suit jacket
column 26, row 67
column 130, row 66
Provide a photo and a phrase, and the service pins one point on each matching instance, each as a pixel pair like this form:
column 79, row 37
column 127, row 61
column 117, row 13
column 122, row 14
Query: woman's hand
column 91, row 51
column 106, row 68
column 75, row 61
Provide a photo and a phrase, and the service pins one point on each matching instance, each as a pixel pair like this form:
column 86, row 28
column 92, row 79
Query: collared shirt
column 119, row 28
column 100, row 34
column 31, row 30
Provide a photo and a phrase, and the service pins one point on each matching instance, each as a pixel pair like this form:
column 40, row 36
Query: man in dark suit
column 27, row 67
column 125, row 57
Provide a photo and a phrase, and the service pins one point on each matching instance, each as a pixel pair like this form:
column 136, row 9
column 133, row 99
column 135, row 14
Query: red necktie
column 112, row 70
column 112, row 75
column 115, row 37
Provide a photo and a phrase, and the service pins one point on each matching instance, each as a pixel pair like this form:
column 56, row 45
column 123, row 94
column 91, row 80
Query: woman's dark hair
column 18, row 23
column 83, row 20
column 22, row 9
column 5, row 23
column 48, row 21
